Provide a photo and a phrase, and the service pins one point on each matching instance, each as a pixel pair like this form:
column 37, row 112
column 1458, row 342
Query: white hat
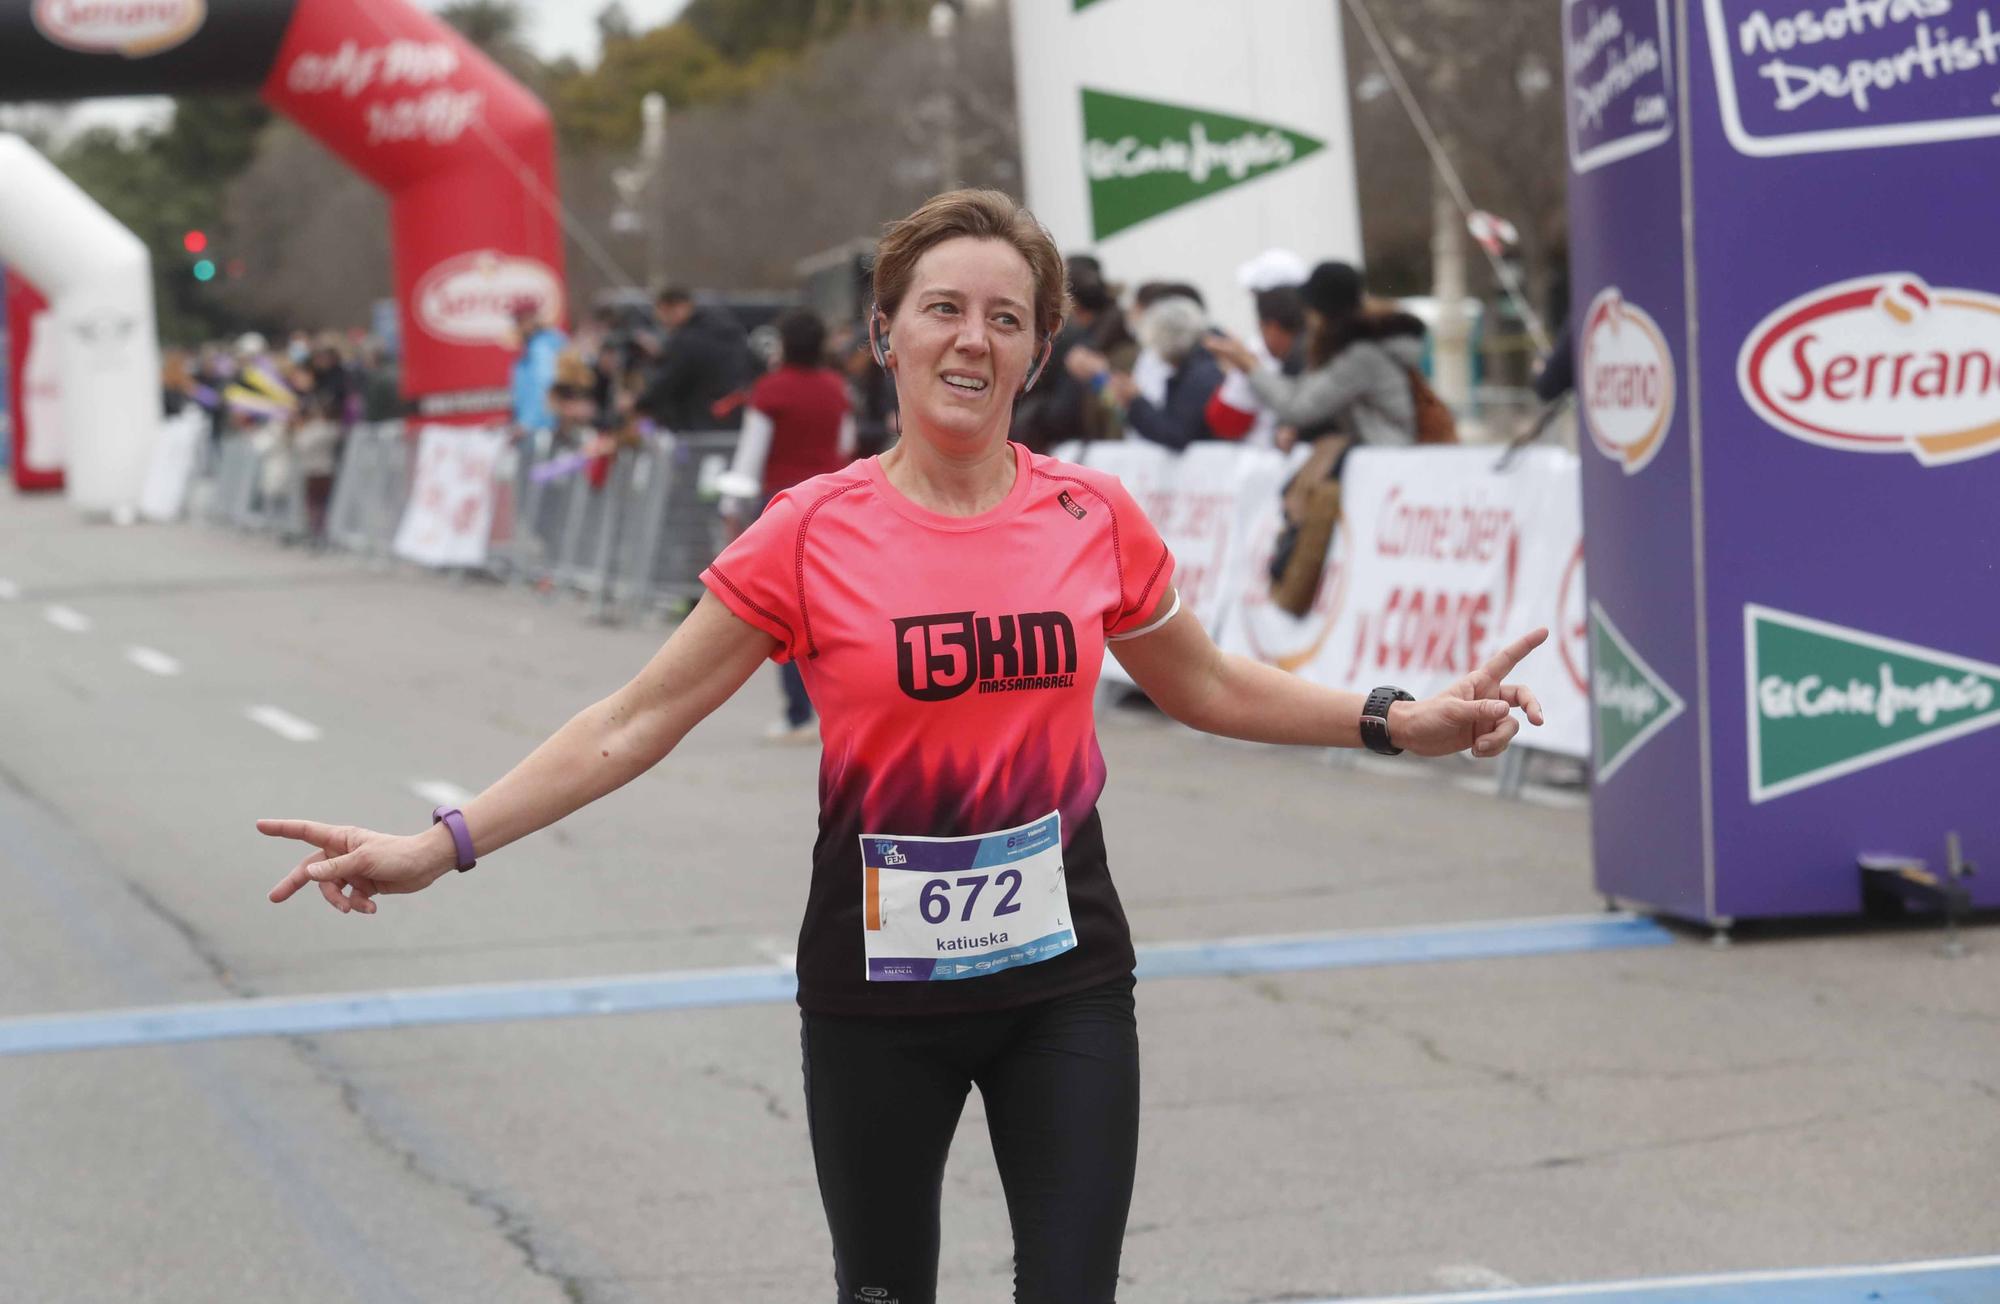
column 1271, row 269
column 250, row 344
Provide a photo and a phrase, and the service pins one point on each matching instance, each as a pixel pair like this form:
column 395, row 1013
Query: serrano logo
column 133, row 28
column 470, row 299
column 1882, row 364
column 1625, row 381
column 939, row 657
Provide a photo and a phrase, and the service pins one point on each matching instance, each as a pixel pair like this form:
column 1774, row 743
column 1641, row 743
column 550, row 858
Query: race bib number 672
column 936, row 909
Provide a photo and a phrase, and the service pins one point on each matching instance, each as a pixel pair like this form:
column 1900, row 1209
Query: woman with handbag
column 1362, row 377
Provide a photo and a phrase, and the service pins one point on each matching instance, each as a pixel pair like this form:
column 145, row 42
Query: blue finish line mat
column 281, row 1016
column 1951, row 1281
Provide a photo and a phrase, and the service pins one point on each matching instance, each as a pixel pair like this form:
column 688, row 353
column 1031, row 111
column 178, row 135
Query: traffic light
column 204, row 270
column 194, row 242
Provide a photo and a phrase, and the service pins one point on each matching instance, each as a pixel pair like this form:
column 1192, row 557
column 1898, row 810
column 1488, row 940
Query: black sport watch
column 1375, row 719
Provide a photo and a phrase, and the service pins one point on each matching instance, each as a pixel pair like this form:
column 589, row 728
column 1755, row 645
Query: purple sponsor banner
column 1807, row 501
column 900, row 970
column 1849, row 371
column 1628, row 325
column 918, row 855
column 928, row 855
column 1808, row 76
column 952, row 967
column 1616, row 62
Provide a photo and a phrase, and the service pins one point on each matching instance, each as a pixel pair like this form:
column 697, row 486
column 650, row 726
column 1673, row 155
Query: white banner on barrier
column 1198, row 501
column 1447, row 560
column 1440, row 560
column 450, row 514
column 172, row 464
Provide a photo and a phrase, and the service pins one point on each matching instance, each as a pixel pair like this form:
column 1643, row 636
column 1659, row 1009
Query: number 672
column 935, row 899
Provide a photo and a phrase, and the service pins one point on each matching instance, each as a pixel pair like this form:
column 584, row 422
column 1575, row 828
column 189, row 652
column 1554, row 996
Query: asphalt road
column 1802, row 1098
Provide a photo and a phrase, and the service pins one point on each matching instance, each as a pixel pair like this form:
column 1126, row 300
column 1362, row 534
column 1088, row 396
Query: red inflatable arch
column 466, row 154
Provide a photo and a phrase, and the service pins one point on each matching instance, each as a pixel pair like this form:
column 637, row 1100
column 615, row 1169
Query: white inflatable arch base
column 98, row 279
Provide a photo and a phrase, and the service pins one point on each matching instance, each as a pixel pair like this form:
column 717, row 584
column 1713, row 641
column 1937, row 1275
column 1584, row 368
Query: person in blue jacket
column 535, row 368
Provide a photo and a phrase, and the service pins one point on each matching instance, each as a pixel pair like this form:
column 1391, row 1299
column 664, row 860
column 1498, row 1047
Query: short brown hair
column 984, row 215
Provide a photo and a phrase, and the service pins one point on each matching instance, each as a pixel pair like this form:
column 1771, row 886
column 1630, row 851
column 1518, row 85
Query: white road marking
column 158, row 663
column 439, row 793
column 9, row 590
column 68, row 618
column 283, row 723
column 1471, row 1276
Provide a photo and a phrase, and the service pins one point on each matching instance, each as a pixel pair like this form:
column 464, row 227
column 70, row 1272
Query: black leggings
column 1061, row 1084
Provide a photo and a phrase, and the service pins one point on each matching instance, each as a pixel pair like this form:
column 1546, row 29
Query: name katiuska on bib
column 953, row 660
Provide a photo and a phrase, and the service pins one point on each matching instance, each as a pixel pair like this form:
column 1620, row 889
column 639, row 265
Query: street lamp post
column 653, row 155
column 944, row 26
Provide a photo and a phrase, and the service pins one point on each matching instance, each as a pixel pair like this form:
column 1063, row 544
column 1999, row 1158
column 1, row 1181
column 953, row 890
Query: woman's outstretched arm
column 603, row 747
column 1205, row 688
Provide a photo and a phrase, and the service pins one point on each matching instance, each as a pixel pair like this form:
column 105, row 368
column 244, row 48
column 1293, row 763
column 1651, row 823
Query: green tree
column 717, row 51
column 742, row 29
column 497, row 29
column 213, row 137
column 1489, row 77
column 601, row 106
column 164, row 183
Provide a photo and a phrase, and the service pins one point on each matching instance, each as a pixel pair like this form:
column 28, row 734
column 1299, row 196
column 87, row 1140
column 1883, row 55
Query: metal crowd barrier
column 637, row 544
column 684, row 533
column 370, row 488
column 239, row 498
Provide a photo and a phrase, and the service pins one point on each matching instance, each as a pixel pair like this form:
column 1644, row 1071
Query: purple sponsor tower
column 1786, row 316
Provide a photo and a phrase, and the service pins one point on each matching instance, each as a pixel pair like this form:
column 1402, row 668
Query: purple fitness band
column 461, row 837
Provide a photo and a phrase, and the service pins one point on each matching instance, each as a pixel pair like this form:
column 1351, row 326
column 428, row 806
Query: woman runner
column 950, row 603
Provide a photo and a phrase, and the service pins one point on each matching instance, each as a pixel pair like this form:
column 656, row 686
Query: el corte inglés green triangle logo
column 1628, row 698
column 1826, row 700
column 1144, row 159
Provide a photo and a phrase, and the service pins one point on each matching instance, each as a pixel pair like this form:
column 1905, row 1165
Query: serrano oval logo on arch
column 133, row 28
column 470, row 299
column 1881, row 364
column 1625, row 380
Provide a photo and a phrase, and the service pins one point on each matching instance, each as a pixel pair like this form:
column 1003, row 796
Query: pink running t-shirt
column 953, row 662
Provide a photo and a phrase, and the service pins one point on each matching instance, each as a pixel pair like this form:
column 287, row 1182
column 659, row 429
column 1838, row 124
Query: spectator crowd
column 1328, row 369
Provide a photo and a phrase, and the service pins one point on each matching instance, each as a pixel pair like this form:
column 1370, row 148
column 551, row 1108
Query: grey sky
column 559, row 27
